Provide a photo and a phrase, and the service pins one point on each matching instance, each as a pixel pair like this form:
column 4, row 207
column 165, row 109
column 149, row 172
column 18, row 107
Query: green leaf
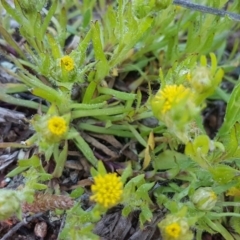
column 76, row 193
column 87, row 16
column 126, row 173
column 126, row 210
column 63, row 23
column 60, row 161
column 101, row 169
column 56, row 52
column 232, row 114
column 34, row 161
column 37, row 32
column 171, row 160
column 47, row 19
column 116, row 94
column 136, row 181
column 102, row 67
column 39, row 186
column 17, row 15
column 93, row 172
column 11, row 42
column 89, row 92
column 85, row 149
column 17, row 171
column 223, row 173
column 80, row 53
column 145, row 215
column 142, row 191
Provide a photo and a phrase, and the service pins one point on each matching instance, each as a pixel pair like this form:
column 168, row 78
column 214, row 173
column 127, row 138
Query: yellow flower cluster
column 107, row 190
column 67, row 63
column 173, row 230
column 57, row 125
column 171, row 95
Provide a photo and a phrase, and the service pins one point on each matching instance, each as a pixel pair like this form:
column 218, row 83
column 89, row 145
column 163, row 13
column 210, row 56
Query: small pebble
column 40, row 229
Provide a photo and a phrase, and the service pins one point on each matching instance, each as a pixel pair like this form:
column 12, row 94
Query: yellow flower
column 107, row 190
column 57, row 125
column 173, row 230
column 170, row 96
column 67, row 63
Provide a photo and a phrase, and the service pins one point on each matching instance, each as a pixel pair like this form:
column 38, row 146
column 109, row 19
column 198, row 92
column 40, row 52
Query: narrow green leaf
column 102, row 64
column 63, row 23
column 13, row 12
column 87, row 16
column 232, row 112
column 60, row 161
column 101, row 168
column 56, row 52
column 20, row 102
column 47, row 19
column 11, row 42
column 137, row 135
column 89, row 92
column 17, row 171
column 116, row 94
column 76, row 193
column 85, row 149
column 100, row 112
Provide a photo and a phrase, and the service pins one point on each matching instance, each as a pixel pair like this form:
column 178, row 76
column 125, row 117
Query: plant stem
column 201, row 8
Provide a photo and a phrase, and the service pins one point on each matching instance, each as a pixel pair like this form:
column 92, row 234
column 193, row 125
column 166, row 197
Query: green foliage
column 78, row 83
column 79, row 224
column 136, row 197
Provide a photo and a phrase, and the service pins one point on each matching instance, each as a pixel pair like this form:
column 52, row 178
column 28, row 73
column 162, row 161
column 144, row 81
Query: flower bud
column 204, row 198
column 10, row 204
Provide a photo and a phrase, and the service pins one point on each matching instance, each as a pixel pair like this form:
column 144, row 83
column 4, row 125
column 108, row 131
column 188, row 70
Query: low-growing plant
column 179, row 59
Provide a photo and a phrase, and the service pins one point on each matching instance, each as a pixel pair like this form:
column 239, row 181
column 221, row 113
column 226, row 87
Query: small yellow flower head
column 107, row 190
column 170, row 96
column 57, row 126
column 67, row 63
column 173, row 230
